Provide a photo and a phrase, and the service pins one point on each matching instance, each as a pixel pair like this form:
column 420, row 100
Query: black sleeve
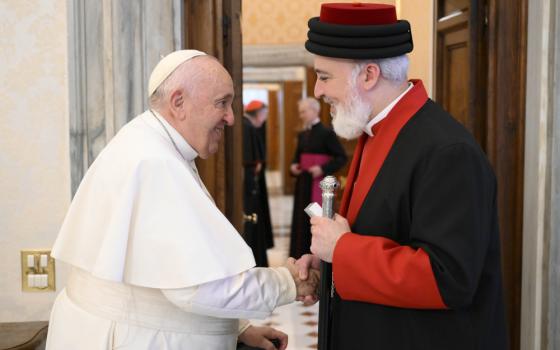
column 336, row 151
column 298, row 151
column 453, row 216
column 261, row 139
column 250, row 156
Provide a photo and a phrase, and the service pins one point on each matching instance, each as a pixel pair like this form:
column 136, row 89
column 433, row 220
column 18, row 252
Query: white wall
column 34, row 153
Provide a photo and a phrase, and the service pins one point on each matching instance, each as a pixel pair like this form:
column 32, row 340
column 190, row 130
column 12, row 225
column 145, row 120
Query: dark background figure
column 318, row 154
column 262, row 114
column 258, row 235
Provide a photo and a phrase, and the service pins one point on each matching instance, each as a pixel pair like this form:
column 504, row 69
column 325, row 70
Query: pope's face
column 210, row 111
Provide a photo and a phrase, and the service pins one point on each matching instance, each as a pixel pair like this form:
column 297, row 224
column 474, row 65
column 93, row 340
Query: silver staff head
column 328, row 186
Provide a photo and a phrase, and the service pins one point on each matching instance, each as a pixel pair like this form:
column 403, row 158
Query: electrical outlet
column 37, row 271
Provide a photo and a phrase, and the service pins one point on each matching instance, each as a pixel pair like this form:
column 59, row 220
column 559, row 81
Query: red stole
column 371, row 152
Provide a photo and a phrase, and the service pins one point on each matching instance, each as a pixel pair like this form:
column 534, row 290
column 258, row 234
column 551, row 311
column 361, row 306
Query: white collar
column 313, row 123
column 186, row 150
column 381, row 115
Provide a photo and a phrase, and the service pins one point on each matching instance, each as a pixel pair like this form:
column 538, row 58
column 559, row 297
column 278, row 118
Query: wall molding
column 276, row 56
column 273, row 74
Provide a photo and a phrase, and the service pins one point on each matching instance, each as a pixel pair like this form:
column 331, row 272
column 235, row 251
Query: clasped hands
column 325, row 234
column 307, row 285
column 315, row 170
column 306, row 275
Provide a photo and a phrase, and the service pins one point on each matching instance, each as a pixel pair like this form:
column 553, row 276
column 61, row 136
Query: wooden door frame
column 291, row 123
column 497, row 89
column 214, row 26
column 232, row 60
column 505, row 145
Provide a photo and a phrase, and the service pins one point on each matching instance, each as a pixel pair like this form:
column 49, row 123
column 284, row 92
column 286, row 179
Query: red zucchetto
column 358, row 31
column 254, row 106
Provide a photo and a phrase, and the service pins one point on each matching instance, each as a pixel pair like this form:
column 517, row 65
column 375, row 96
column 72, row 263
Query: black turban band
column 358, row 41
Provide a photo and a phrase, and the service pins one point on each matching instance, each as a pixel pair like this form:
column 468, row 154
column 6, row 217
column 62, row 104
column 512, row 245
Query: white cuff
column 288, row 291
column 243, row 325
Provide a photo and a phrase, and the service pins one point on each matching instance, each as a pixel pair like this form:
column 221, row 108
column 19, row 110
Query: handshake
column 306, row 275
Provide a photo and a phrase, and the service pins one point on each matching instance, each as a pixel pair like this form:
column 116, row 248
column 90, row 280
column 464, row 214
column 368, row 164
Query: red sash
column 371, row 152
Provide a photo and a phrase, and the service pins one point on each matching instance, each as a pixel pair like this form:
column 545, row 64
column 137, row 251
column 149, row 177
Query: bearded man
column 415, row 251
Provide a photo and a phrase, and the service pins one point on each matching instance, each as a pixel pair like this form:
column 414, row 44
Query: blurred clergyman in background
column 258, row 226
column 318, row 153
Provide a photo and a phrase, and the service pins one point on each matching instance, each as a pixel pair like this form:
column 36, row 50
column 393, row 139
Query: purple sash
column 306, row 161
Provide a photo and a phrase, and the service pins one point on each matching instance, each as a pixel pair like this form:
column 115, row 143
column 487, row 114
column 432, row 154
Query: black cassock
column 428, row 226
column 317, row 140
column 261, row 133
column 255, row 196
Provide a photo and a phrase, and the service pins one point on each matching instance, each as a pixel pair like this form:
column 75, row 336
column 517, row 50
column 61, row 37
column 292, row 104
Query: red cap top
column 358, row 13
column 254, row 105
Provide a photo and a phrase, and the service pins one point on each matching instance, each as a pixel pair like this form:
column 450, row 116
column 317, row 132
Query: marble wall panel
column 114, row 45
column 554, row 241
column 540, row 305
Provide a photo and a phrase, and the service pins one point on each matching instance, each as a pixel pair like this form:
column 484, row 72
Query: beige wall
column 283, row 22
column 34, row 159
column 421, row 20
column 278, row 22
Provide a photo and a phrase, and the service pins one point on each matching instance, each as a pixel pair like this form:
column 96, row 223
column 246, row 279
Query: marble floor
column 296, row 320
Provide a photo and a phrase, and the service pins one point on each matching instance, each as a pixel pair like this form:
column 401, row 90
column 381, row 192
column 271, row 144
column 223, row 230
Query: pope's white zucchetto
column 167, row 65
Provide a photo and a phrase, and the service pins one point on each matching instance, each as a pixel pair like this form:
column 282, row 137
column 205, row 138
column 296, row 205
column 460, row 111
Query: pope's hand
column 305, row 264
column 260, row 337
column 305, row 287
column 325, row 233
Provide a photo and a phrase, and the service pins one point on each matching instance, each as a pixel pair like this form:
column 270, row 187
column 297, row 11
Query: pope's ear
column 372, row 74
column 177, row 102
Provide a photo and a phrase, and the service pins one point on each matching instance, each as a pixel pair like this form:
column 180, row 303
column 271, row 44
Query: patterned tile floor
column 296, row 320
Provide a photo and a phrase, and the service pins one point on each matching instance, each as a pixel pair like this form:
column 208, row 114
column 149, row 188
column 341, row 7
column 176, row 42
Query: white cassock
column 155, row 263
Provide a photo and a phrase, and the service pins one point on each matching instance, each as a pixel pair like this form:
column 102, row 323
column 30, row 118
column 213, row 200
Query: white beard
column 350, row 119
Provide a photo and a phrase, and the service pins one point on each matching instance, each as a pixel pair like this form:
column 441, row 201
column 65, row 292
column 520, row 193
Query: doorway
column 480, row 78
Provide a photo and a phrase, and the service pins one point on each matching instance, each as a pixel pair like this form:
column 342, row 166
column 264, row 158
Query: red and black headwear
column 358, row 31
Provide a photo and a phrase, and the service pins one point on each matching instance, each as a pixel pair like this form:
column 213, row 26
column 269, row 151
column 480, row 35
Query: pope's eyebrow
column 224, row 98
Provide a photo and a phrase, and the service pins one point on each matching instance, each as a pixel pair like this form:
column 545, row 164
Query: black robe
column 421, row 268
column 269, row 239
column 255, row 195
column 319, row 140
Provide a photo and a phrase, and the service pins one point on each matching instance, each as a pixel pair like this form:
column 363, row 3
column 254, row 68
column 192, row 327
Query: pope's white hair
column 393, row 69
